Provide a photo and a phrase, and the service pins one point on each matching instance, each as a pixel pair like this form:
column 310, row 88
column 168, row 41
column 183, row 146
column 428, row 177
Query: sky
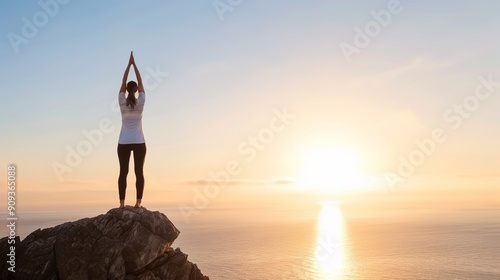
column 377, row 78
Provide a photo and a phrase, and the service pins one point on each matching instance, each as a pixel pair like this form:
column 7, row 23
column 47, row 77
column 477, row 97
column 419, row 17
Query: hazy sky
column 217, row 73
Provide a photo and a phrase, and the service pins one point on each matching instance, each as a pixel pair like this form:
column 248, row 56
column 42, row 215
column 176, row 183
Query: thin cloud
column 274, row 181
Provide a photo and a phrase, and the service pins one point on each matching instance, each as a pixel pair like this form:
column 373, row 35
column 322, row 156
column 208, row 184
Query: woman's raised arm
column 125, row 75
column 140, row 87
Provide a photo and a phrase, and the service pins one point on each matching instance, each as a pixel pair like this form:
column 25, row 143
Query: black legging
column 124, row 158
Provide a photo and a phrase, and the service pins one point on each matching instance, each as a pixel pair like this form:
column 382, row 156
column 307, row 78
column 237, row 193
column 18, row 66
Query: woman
column 131, row 135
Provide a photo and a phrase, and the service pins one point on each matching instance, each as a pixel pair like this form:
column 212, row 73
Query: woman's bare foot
column 122, row 204
column 138, row 203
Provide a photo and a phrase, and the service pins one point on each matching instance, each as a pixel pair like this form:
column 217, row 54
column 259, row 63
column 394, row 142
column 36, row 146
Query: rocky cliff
column 130, row 243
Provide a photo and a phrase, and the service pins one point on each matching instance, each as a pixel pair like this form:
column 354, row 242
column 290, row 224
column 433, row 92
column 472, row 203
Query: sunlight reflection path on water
column 330, row 250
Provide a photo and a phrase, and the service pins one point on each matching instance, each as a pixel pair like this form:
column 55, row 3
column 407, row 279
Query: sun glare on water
column 330, row 252
column 333, row 169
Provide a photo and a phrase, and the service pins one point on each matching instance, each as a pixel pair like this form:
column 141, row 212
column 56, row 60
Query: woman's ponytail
column 131, row 100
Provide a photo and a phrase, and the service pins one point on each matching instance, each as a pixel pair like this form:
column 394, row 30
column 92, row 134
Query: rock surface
column 130, row 243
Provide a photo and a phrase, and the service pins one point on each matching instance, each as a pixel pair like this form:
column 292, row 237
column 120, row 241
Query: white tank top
column 131, row 132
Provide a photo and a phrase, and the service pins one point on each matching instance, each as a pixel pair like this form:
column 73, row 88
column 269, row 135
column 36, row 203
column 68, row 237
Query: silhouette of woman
column 131, row 135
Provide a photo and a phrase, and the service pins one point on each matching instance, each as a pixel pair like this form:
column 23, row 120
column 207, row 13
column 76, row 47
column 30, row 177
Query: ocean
column 453, row 244
column 328, row 240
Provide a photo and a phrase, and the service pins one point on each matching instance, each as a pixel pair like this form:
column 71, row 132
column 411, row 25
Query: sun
column 333, row 168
